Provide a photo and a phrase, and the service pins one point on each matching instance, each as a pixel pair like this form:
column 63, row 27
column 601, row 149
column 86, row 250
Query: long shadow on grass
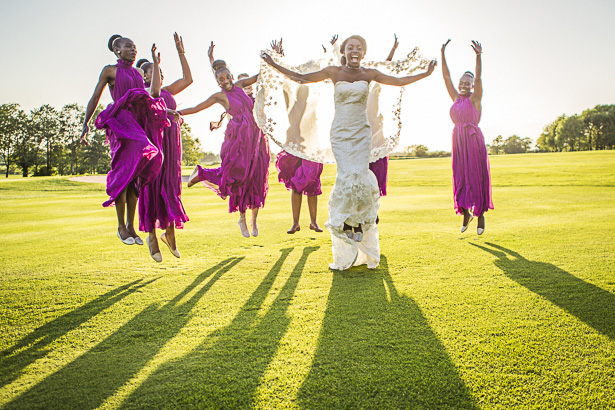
column 34, row 346
column 377, row 351
column 225, row 371
column 93, row 377
column 591, row 304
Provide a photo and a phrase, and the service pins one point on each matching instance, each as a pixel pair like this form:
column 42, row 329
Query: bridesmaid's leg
column 120, row 210
column 170, row 236
column 254, row 225
column 481, row 224
column 313, row 207
column 131, row 206
column 296, row 198
column 243, row 226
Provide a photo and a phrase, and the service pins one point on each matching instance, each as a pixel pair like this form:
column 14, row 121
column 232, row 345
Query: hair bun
column 142, row 62
column 218, row 64
column 112, row 40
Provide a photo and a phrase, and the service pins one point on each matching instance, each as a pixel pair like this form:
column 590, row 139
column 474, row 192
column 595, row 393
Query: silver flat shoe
column 174, row 252
column 128, row 241
column 192, row 176
column 464, row 228
column 157, row 256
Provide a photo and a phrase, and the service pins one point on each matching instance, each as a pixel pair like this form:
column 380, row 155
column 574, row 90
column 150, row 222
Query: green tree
column 11, row 122
column 97, row 155
column 45, row 128
column 569, row 133
column 496, row 147
column 514, row 145
column 191, row 147
column 70, row 122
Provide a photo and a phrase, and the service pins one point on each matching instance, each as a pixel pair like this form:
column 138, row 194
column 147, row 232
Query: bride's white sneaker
column 358, row 236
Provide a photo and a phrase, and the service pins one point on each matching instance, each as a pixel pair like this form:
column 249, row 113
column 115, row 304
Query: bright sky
column 541, row 58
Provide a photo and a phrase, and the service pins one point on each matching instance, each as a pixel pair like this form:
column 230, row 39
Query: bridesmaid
column 160, row 204
column 300, row 176
column 244, row 171
column 131, row 123
column 471, row 175
column 380, row 167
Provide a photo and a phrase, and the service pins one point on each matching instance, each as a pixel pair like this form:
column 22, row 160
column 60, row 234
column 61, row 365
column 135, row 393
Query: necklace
column 352, row 68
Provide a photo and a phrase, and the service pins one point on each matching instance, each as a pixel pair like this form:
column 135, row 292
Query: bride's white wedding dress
column 355, row 197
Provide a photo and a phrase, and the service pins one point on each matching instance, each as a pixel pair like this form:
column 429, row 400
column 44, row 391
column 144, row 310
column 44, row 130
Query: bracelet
column 180, row 113
column 182, row 53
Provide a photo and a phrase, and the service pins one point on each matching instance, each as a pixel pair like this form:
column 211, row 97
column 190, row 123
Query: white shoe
column 128, row 241
column 138, row 241
column 463, row 228
column 481, row 230
column 243, row 227
column 254, row 228
column 157, row 256
column 194, row 174
column 358, row 236
column 174, row 252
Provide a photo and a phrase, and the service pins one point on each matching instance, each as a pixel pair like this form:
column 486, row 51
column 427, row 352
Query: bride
column 354, row 200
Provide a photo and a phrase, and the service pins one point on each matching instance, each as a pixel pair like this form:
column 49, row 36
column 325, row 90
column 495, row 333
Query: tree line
column 593, row 129
column 45, row 141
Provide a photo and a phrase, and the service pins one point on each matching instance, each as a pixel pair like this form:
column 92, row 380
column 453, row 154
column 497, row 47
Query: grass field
column 521, row 317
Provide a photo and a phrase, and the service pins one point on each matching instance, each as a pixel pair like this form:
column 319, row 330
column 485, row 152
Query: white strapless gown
column 355, row 197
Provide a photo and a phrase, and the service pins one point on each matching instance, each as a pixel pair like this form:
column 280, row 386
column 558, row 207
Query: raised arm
column 301, row 78
column 181, row 84
column 244, row 82
column 210, row 55
column 156, row 80
column 105, row 77
column 477, row 96
column 395, row 45
column 399, row 81
column 215, row 98
column 447, row 75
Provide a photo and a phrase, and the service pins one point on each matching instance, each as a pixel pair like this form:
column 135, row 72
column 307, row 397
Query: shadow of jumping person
column 89, row 380
column 376, row 350
column 589, row 303
column 34, row 346
column 226, row 369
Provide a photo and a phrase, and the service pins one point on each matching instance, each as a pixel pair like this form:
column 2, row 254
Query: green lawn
column 521, row 317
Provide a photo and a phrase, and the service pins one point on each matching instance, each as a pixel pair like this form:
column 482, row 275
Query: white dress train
column 355, row 197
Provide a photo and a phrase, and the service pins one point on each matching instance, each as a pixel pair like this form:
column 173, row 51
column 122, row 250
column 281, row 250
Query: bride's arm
column 314, row 77
column 399, row 81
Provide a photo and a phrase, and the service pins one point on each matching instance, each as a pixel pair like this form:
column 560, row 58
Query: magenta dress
column 244, row 171
column 299, row 174
column 133, row 123
column 380, row 168
column 160, row 203
column 471, row 175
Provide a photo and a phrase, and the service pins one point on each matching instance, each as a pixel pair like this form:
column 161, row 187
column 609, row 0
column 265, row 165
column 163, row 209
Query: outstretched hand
column 267, row 58
column 179, row 43
column 445, row 44
column 175, row 114
column 210, row 51
column 155, row 56
column 84, row 132
column 478, row 49
column 432, row 66
column 277, row 47
column 333, row 39
column 395, row 43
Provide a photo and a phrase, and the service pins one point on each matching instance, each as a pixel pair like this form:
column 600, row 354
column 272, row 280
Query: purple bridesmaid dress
column 471, row 175
column 299, row 174
column 160, row 202
column 244, row 171
column 133, row 124
column 380, row 168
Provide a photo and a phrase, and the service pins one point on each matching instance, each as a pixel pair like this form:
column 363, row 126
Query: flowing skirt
column 298, row 174
column 160, row 202
column 131, row 124
column 244, row 171
column 380, row 168
column 471, row 173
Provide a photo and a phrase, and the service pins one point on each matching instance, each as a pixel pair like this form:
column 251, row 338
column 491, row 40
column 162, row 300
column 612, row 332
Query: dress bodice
column 464, row 112
column 126, row 78
column 240, row 104
column 168, row 99
column 351, row 93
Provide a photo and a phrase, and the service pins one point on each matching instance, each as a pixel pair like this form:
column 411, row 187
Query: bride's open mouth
column 354, row 58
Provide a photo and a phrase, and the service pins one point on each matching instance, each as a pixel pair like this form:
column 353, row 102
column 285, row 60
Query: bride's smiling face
column 354, row 53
